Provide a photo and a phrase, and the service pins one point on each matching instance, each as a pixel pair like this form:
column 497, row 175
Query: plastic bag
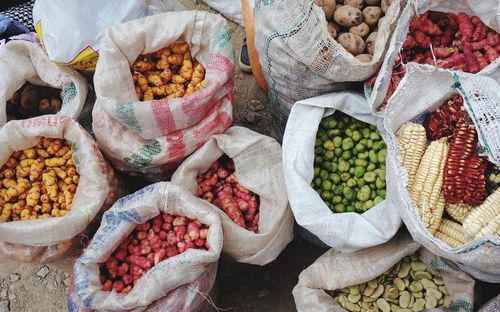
column 343, row 231
column 151, row 138
column 486, row 10
column 168, row 274
column 257, row 159
column 53, row 239
column 421, row 91
column 196, row 296
column 22, row 61
column 301, row 60
column 338, row 270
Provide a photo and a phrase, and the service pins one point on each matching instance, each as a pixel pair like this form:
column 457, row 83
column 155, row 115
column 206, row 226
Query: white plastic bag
column 229, row 8
column 486, row 10
column 47, row 240
column 167, row 275
column 257, row 159
column 421, row 91
column 22, row 61
column 347, row 231
column 338, row 270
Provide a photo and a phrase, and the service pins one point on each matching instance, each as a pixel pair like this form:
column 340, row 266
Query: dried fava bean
column 383, row 305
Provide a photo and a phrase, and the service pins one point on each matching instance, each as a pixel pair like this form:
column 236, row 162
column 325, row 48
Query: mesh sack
column 257, row 159
column 338, row 270
column 426, row 88
column 195, row 297
column 347, row 231
column 119, row 221
column 151, row 138
column 486, row 10
column 23, row 61
column 300, row 59
column 54, row 239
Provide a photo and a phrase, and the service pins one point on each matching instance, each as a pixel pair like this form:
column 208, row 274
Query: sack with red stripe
column 152, row 137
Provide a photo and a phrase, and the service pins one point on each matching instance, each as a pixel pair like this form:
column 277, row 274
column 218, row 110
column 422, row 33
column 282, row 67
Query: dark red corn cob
column 442, row 122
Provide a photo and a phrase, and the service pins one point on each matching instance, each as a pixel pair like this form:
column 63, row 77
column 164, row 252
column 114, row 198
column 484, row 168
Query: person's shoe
column 244, row 59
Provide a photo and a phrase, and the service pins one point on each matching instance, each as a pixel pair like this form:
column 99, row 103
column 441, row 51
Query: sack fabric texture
column 338, row 270
column 422, row 91
column 54, row 239
column 486, row 10
column 119, row 221
column 24, row 61
column 257, row 159
column 300, row 59
column 151, row 138
column 343, row 231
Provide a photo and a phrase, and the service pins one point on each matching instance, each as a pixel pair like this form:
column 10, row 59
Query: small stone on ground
column 43, row 272
column 14, row 277
column 4, row 306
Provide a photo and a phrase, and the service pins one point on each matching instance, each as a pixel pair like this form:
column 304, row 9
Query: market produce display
column 167, row 73
column 407, row 286
column 31, row 101
column 38, row 182
column 219, row 186
column 160, row 238
column 447, row 178
column 354, row 24
column 459, row 42
column 349, row 172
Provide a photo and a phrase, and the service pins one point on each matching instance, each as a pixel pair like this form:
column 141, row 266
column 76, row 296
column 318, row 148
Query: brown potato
column 328, row 7
column 371, row 15
column 361, row 30
column 358, row 4
column 365, row 58
column 333, row 29
column 384, row 5
column 372, row 2
column 370, row 42
column 348, row 16
column 354, row 44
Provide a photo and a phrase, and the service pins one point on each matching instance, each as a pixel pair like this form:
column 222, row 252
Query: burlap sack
column 152, row 137
column 24, row 61
column 338, row 270
column 301, row 60
column 257, row 159
column 48, row 240
column 343, row 231
column 194, row 297
column 486, row 10
column 422, row 91
column 119, row 221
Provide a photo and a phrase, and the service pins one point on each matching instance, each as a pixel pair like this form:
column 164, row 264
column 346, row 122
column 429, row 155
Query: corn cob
column 458, row 211
column 442, row 122
column 412, row 144
column 491, row 229
column 454, row 230
column 464, row 172
column 483, row 214
column 426, row 191
column 448, row 239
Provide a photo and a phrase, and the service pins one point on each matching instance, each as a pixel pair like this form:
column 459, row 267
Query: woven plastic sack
column 193, row 297
column 55, row 239
column 422, row 91
column 347, row 231
column 22, row 61
column 151, row 138
column 119, row 221
column 229, row 8
column 338, row 270
column 300, row 59
column 257, row 159
column 491, row 306
column 486, row 10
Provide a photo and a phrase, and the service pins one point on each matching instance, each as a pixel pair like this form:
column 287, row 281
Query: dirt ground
column 246, row 288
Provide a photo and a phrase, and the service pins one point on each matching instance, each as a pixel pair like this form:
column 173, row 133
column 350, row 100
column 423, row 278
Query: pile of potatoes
column 31, row 101
column 354, row 24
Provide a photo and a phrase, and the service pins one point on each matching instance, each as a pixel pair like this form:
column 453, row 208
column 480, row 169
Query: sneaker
column 244, row 59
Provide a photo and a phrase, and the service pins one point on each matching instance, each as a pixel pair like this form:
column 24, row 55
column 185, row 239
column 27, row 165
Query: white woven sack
column 229, row 8
column 334, row 271
column 119, row 221
column 300, row 59
column 50, row 236
column 152, row 137
column 486, row 10
column 22, row 61
column 422, row 91
column 257, row 159
column 347, row 231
